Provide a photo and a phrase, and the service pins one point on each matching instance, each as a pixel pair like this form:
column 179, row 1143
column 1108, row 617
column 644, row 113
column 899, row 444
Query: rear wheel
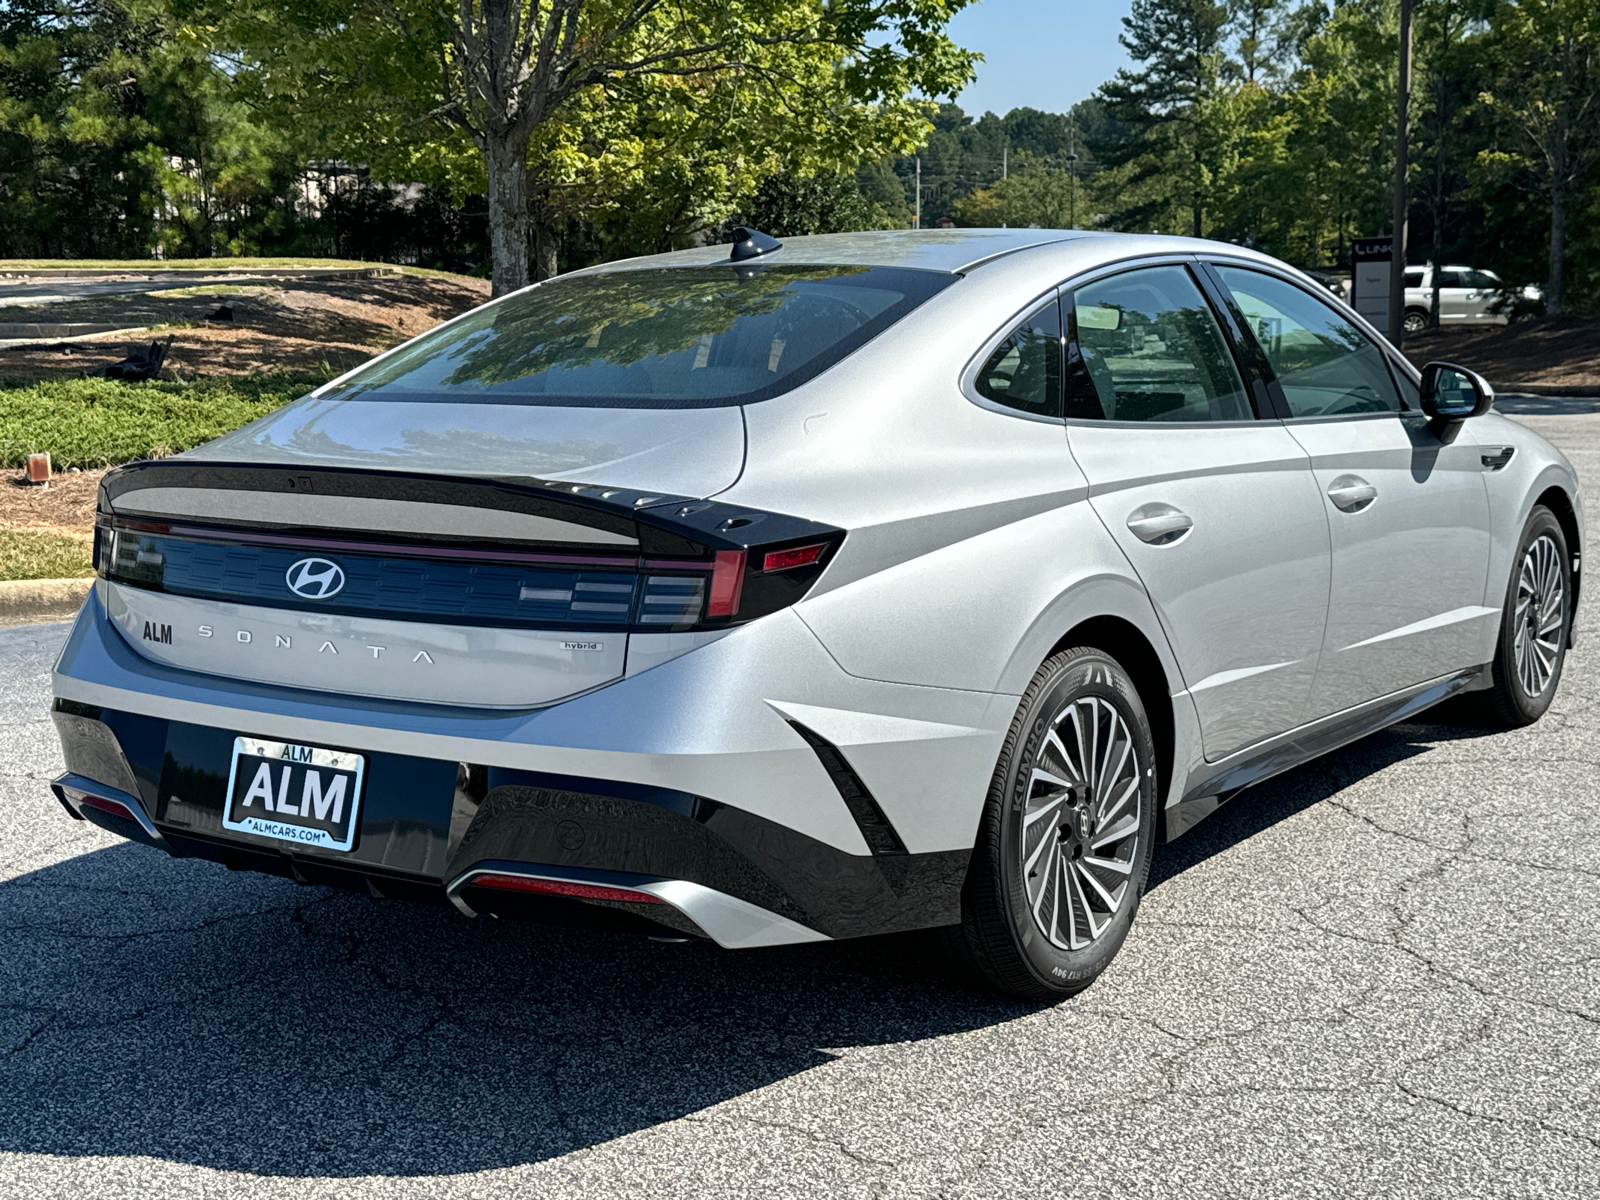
column 1064, row 846
column 1533, row 625
column 1416, row 320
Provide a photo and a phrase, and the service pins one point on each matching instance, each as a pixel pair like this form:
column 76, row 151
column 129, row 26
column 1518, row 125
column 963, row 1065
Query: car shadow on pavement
column 1261, row 807
column 171, row 1009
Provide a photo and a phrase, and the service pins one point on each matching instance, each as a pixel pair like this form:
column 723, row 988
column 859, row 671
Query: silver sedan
column 790, row 592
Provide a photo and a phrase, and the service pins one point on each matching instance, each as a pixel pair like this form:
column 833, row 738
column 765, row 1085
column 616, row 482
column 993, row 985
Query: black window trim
column 1390, row 356
column 969, row 374
column 1194, row 265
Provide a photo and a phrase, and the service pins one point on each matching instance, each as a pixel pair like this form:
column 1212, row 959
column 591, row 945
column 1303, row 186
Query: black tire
column 1511, row 703
column 999, row 940
column 1415, row 320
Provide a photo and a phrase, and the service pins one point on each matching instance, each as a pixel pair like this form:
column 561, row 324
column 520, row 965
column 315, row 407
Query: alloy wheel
column 1541, row 615
column 1079, row 835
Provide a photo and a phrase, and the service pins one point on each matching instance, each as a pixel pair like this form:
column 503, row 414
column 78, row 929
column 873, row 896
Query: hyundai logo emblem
column 315, row 578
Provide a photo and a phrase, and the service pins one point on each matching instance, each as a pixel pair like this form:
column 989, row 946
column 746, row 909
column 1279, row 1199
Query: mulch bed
column 304, row 327
column 1546, row 351
column 65, row 505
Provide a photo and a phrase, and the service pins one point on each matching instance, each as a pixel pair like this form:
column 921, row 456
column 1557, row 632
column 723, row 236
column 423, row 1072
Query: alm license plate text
column 301, row 794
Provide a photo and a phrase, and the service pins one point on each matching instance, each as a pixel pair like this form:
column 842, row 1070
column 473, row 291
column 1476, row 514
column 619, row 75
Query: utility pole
column 917, row 223
column 1402, row 129
column 1005, row 152
column 1072, row 170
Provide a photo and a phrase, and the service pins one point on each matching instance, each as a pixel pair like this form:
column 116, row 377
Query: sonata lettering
column 156, row 632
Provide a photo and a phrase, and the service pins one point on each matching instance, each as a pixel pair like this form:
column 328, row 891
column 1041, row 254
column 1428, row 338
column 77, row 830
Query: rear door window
column 1324, row 364
column 1148, row 348
column 1024, row 372
column 685, row 337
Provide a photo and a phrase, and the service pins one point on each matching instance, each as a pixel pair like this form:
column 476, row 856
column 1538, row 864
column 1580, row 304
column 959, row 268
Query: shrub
column 100, row 422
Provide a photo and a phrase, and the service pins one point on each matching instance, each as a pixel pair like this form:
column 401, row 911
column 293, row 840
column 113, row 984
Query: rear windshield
column 675, row 338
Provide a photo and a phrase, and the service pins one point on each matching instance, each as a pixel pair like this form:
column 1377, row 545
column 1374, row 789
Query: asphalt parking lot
column 1378, row 975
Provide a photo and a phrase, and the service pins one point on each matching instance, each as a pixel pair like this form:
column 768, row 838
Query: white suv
column 1466, row 295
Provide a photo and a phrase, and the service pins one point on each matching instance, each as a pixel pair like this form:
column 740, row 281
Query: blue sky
column 1046, row 54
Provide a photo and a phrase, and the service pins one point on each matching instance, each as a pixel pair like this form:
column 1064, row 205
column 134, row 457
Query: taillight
column 727, row 583
column 561, row 887
column 800, row 556
column 695, row 564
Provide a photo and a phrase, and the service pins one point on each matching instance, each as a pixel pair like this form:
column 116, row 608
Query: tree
column 507, row 74
column 118, row 135
column 1166, row 159
column 1546, row 89
column 787, row 205
column 1032, row 194
column 1256, row 26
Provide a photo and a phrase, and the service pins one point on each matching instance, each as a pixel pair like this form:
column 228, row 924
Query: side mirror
column 1451, row 395
column 1096, row 316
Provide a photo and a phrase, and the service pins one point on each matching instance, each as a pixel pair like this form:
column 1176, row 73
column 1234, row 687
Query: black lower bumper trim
column 421, row 828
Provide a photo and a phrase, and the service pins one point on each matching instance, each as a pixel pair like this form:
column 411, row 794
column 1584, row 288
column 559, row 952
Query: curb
column 103, row 337
column 1587, row 391
column 310, row 271
column 30, row 601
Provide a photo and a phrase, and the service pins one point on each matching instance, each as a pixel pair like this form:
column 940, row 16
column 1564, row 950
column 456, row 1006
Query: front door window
column 1325, row 365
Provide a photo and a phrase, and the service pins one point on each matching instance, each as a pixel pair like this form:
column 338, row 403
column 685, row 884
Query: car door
column 1482, row 288
column 1453, row 294
column 1408, row 516
column 1216, row 510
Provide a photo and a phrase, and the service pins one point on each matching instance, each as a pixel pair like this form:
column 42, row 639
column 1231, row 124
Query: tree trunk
column 1558, row 247
column 508, row 213
column 545, row 235
column 1399, row 226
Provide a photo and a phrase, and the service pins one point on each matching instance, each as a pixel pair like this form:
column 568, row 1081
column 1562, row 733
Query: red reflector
column 727, row 583
column 800, row 556
column 108, row 806
column 560, row 887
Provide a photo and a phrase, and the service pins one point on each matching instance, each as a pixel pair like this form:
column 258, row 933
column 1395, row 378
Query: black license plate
column 301, row 794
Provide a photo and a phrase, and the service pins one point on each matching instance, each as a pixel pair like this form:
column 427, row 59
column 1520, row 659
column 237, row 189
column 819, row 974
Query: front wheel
column 1063, row 850
column 1533, row 625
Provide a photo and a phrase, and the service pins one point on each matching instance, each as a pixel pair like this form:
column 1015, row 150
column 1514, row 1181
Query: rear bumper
column 687, row 781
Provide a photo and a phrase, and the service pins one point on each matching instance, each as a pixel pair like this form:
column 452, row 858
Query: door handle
column 1351, row 493
column 1159, row 524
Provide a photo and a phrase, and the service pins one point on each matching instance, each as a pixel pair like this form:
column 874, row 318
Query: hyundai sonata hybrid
column 796, row 591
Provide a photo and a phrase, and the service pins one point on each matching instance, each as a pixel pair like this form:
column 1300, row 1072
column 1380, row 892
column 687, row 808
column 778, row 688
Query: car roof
column 953, row 250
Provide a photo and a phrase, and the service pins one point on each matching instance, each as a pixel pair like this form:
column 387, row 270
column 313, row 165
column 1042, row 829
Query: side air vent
column 875, row 828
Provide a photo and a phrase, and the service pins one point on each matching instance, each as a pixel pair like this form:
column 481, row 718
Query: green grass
column 34, row 554
column 100, row 422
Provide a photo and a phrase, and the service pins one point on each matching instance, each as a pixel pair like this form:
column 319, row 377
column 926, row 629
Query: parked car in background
column 1466, row 295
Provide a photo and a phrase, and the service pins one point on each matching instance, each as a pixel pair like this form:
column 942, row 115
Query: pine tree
column 1165, row 107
